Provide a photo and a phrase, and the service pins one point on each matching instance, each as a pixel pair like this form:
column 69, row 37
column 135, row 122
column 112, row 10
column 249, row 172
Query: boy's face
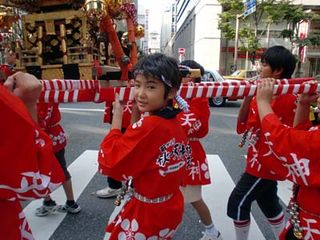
column 266, row 71
column 149, row 94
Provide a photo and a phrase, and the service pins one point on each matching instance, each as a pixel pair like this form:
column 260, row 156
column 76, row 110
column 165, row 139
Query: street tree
column 295, row 17
column 249, row 33
column 257, row 24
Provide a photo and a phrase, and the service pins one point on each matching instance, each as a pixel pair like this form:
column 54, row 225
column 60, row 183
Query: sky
column 156, row 8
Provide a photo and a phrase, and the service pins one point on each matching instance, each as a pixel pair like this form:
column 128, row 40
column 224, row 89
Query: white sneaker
column 46, row 208
column 108, row 192
column 208, row 236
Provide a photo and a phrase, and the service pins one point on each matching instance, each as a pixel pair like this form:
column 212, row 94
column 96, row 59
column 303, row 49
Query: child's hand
column 25, row 86
column 117, row 106
column 308, row 98
column 265, row 90
column 117, row 113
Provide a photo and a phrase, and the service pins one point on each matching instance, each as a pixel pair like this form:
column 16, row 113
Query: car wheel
column 217, row 101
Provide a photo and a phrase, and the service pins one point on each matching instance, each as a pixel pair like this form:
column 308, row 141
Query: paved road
column 83, row 123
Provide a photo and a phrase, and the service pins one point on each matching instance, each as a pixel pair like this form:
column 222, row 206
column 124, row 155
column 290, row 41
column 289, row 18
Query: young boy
column 195, row 122
column 49, row 120
column 257, row 183
column 153, row 153
column 295, row 157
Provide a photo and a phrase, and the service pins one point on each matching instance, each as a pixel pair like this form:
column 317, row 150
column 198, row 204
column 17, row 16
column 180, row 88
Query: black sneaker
column 73, row 209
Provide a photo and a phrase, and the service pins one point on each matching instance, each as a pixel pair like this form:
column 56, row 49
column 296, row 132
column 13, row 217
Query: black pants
column 249, row 189
column 114, row 183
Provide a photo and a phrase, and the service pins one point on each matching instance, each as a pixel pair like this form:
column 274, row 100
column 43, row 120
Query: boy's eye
column 151, row 87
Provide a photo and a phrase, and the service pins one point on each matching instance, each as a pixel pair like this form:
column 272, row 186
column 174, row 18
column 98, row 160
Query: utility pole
column 235, row 59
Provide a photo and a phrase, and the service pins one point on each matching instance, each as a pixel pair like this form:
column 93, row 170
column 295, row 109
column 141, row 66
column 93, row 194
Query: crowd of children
column 162, row 173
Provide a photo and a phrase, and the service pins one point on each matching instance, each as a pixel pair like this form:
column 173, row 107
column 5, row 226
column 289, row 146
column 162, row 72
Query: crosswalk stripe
column 82, row 171
column 215, row 195
column 80, row 109
column 285, row 191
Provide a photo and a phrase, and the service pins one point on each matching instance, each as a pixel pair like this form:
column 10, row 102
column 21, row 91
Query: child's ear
column 172, row 93
column 278, row 73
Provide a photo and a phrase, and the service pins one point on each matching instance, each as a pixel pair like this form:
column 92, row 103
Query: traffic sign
column 250, row 7
column 182, row 51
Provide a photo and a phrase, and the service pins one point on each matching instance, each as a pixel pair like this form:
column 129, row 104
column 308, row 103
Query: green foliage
column 267, row 12
column 293, row 15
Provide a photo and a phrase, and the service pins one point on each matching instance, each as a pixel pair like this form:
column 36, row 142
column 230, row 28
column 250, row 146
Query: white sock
column 211, row 229
column 277, row 224
column 242, row 229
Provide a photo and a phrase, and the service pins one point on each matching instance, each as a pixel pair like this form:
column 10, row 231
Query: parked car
column 242, row 75
column 214, row 76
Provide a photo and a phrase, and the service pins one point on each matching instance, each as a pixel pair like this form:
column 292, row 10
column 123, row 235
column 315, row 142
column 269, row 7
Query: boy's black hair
column 194, row 65
column 161, row 67
column 278, row 57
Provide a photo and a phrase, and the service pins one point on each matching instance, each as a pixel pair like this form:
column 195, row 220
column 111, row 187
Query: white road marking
column 216, row 196
column 82, row 171
column 81, row 109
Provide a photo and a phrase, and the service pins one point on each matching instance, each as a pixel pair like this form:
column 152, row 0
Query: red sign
column 182, row 51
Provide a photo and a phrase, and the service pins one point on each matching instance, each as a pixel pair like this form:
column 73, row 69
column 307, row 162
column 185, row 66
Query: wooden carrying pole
column 63, row 43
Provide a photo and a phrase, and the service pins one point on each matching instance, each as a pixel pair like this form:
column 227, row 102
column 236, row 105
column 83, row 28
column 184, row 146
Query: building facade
column 197, row 32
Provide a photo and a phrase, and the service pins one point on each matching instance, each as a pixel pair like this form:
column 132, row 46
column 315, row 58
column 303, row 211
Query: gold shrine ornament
column 114, row 7
column 139, row 31
column 95, row 8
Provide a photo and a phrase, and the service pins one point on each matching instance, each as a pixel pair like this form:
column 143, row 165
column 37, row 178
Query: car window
column 251, row 74
column 217, row 76
column 236, row 73
column 207, row 77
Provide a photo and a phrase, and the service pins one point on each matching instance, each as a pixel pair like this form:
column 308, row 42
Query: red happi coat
column 196, row 125
column 284, row 106
column 297, row 159
column 126, row 118
column 28, row 167
column 5, row 72
column 153, row 152
column 49, row 118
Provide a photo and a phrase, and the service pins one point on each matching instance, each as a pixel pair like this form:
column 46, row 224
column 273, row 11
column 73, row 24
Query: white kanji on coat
column 194, row 170
column 300, row 168
column 128, row 107
column 188, row 119
column 254, row 137
column 310, row 232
